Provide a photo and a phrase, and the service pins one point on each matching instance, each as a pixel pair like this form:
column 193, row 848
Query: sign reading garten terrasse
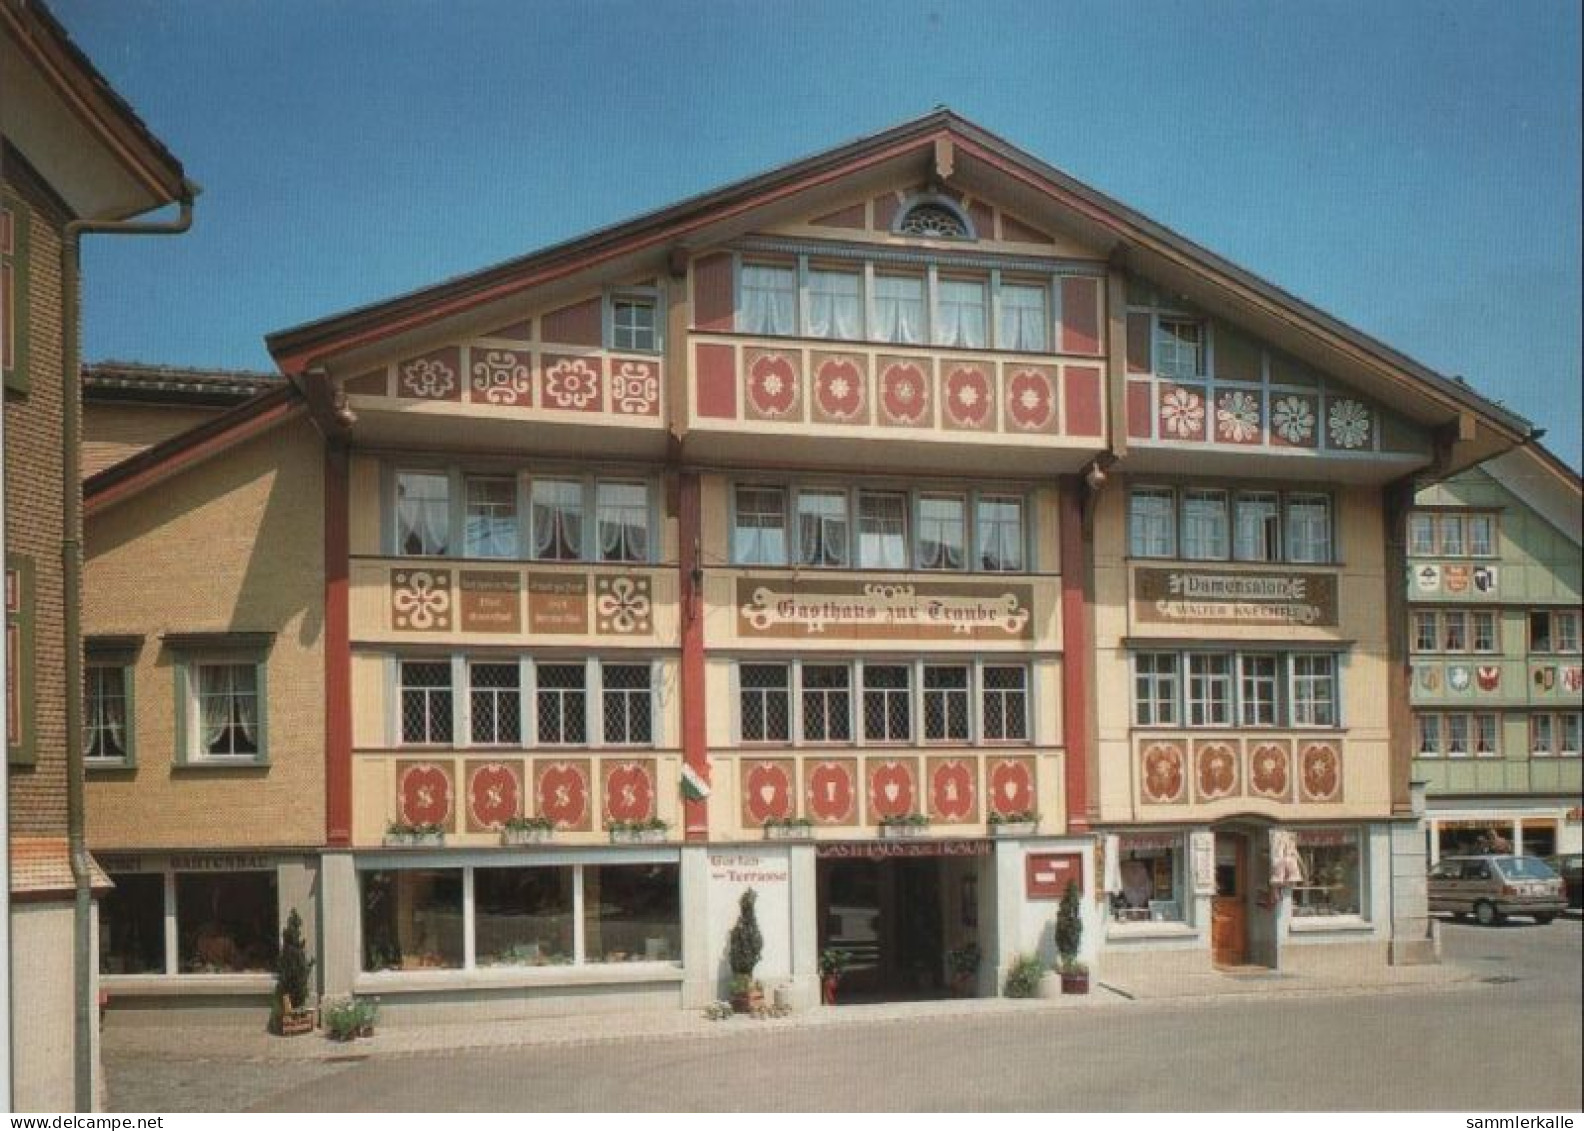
column 886, row 610
column 1206, row 597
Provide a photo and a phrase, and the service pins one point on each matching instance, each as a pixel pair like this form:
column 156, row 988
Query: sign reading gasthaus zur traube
column 1194, row 596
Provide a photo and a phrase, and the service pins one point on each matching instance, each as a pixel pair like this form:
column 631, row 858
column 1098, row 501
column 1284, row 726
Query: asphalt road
column 1511, row 1042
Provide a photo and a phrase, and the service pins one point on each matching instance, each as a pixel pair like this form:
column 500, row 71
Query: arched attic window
column 934, row 217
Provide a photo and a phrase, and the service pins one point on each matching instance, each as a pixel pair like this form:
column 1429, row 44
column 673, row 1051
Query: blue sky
column 1411, row 167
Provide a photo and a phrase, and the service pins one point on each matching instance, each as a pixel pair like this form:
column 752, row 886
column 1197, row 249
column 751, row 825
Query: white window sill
column 185, row 985
column 517, row 977
column 1329, row 924
column 1162, row 930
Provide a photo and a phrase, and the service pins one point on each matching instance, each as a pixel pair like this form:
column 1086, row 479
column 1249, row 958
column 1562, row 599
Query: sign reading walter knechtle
column 1192, row 596
column 859, row 610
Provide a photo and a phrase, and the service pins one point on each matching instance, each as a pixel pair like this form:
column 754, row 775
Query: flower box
column 788, row 832
column 638, row 836
column 527, row 836
column 1014, row 828
column 903, row 832
column 409, row 839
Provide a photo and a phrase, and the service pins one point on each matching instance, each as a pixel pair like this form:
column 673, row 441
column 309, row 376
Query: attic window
column 933, row 218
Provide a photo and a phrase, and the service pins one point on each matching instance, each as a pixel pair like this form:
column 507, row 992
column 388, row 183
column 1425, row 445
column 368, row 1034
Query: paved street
column 1509, row 1040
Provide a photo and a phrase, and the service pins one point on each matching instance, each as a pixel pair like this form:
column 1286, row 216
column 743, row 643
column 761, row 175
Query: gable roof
column 965, row 155
column 172, row 385
column 1549, row 487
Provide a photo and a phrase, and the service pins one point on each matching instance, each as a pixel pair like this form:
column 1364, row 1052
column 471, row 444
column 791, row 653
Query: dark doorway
column 886, row 917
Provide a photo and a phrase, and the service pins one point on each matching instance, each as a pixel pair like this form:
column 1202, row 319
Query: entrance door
column 1229, row 907
column 885, row 917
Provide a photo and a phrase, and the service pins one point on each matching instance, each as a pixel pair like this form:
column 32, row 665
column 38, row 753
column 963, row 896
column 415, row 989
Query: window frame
column 189, row 730
column 650, row 297
column 97, row 660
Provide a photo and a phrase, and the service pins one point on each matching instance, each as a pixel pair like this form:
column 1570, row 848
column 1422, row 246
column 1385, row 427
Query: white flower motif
column 905, row 391
column 1293, row 419
column 967, row 396
column 1029, row 399
column 1350, row 424
column 1182, row 413
column 840, row 387
column 1238, row 417
column 428, row 377
column 772, row 385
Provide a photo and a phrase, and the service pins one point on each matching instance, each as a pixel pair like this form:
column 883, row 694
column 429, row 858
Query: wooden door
column 1229, row 907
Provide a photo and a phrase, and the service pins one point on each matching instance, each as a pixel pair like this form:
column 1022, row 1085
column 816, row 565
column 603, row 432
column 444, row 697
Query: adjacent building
column 1498, row 680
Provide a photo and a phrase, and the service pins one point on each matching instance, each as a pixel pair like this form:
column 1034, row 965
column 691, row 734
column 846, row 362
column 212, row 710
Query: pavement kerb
column 212, row 1042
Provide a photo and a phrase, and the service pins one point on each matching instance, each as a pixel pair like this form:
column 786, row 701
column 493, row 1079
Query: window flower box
column 520, row 832
column 905, row 828
column 639, row 832
column 789, row 830
column 1014, row 828
column 398, row 835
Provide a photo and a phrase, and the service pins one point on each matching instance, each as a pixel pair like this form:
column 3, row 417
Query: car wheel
column 1486, row 913
column 1544, row 919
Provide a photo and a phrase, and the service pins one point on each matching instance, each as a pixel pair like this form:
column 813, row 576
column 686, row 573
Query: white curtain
column 834, row 309
column 899, row 308
column 214, row 702
column 245, row 696
column 423, row 523
column 768, row 300
column 962, row 314
column 557, row 520
column 1286, row 864
column 1022, row 318
column 114, row 715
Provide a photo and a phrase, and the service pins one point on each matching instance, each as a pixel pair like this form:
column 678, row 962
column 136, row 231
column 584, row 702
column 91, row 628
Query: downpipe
column 85, row 1005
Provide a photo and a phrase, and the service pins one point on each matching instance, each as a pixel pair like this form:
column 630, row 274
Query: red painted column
column 337, row 651
column 695, row 745
column 1077, row 652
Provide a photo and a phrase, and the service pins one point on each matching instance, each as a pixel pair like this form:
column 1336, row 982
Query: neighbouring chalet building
column 72, row 153
column 901, row 533
column 1498, row 680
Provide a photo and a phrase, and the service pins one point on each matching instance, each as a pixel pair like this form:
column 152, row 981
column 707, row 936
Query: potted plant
column 348, row 1018
column 907, row 825
column 788, row 828
column 831, row 964
column 744, row 948
column 527, row 830
column 289, row 1013
column 650, row 831
column 1069, row 937
column 1024, row 978
column 1023, row 822
column 963, row 962
column 402, row 834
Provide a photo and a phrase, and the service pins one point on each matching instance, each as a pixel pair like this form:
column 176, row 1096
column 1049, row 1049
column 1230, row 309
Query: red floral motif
column 968, row 397
column 1011, row 787
column 494, row 795
column 891, row 789
column 1217, row 771
column 767, row 792
column 1268, row 772
column 423, row 794
column 952, row 790
column 1163, row 773
column 772, row 385
column 839, row 388
column 561, row 794
column 1321, row 772
column 1031, row 400
column 904, row 394
column 629, row 791
column 830, row 792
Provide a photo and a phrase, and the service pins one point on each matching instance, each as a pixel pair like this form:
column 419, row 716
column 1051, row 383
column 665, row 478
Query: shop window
column 827, row 702
column 759, row 526
column 942, row 524
column 108, row 724
column 562, row 699
column 425, row 688
column 1333, row 875
column 412, row 919
column 1005, row 705
column 887, row 689
column 557, row 520
column 622, row 521
column 423, row 513
column 945, row 703
column 1023, row 322
column 768, row 303
column 628, row 704
column 1150, row 869
column 495, row 702
column 489, row 528
column 523, row 916
column 631, row 913
column 132, row 925
column 634, row 323
column 882, row 531
column 227, row 922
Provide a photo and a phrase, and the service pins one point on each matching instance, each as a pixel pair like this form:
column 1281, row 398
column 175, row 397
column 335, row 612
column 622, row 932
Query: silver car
column 1493, row 887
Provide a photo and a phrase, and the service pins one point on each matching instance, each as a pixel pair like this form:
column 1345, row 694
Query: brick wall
column 116, row 430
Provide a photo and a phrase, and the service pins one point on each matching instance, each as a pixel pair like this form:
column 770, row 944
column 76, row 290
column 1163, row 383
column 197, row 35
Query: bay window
column 941, row 523
column 999, row 521
column 822, row 528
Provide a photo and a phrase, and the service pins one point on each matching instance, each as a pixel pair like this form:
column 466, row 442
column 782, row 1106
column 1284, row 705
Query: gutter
column 71, row 569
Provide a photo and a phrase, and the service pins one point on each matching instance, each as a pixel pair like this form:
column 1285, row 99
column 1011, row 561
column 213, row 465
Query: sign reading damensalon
column 1194, row 596
column 883, row 610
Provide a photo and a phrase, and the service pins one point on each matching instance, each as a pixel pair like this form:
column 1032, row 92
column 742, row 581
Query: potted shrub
column 289, row 1013
column 401, row 834
column 348, row 1018
column 963, row 962
column 1069, row 937
column 788, row 828
column 907, row 825
column 831, row 964
column 1024, row 822
column 527, row 830
column 1024, row 978
column 744, row 948
column 650, row 831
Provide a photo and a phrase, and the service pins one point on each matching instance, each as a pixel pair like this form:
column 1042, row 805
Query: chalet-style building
column 902, row 534
column 1494, row 586
column 72, row 153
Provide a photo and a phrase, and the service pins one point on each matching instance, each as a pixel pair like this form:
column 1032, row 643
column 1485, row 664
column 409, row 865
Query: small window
column 827, row 703
column 629, row 712
column 759, row 535
column 1179, row 348
column 822, row 528
column 1309, row 528
column 1155, row 689
column 1023, row 319
column 490, row 528
column 835, row 304
column 1429, row 734
column 1314, row 691
column 425, row 702
column 1454, row 632
column 107, row 725
column 941, row 532
column 769, row 300
column 226, row 711
column 1204, row 525
column 1258, row 536
column 1457, row 736
column 882, row 531
column 899, row 309
column 1540, row 632
column 1481, row 535
column 1004, row 714
column 1452, row 545
column 1209, row 689
column 1259, row 683
column 1568, row 729
column 1425, row 637
column 622, row 521
column 557, row 520
column 423, row 513
column 1542, row 736
column 1483, row 630
column 998, row 521
column 562, row 699
column 634, row 325
column 1152, row 523
column 961, row 314
column 945, row 703
column 495, row 697
column 1487, row 742
column 764, row 702
column 1565, row 631
column 886, row 708
column 1421, row 534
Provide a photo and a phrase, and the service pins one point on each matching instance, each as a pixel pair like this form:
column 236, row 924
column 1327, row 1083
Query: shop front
column 1536, row 830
